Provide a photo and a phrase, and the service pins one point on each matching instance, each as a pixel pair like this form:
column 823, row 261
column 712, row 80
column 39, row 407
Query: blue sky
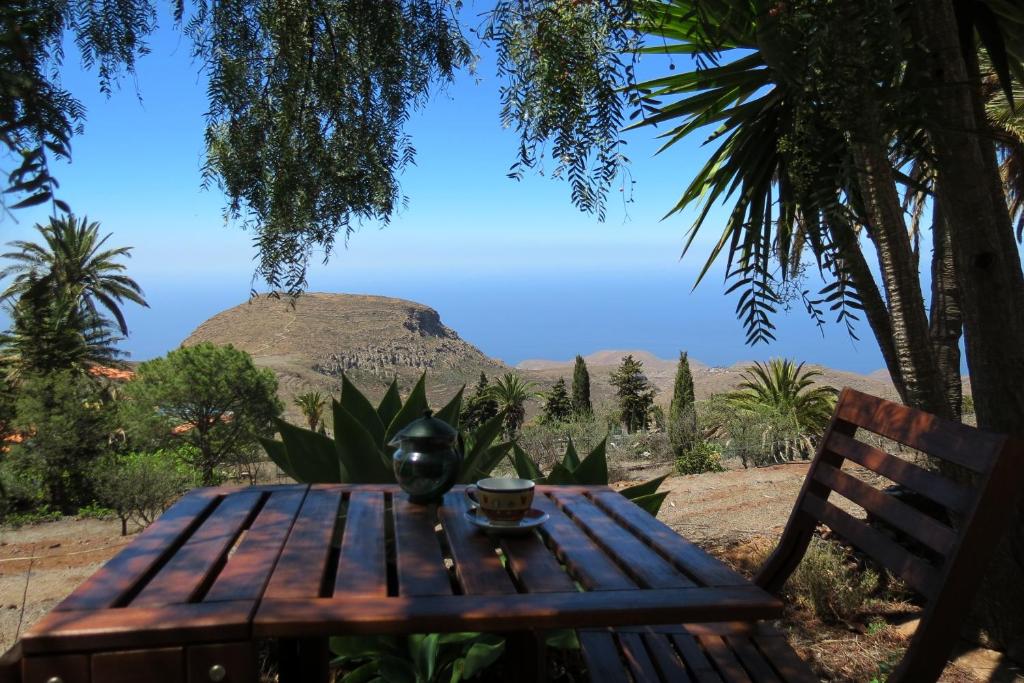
column 512, row 266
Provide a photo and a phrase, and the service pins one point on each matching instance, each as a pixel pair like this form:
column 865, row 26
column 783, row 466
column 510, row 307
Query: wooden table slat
column 646, row 566
column 188, row 570
column 247, row 571
column 303, row 562
column 522, row 611
column 118, row 577
column 477, row 565
column 579, row 553
column 686, row 555
column 534, row 567
column 421, row 569
column 362, row 567
column 135, row 627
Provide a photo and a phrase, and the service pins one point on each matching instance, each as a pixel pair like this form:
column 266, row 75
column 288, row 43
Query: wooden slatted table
column 225, row 568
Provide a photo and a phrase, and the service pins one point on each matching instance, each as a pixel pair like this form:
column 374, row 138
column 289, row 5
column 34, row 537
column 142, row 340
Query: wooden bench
column 942, row 563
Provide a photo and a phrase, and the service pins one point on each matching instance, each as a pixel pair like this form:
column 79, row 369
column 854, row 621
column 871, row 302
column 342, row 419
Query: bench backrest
column 942, row 557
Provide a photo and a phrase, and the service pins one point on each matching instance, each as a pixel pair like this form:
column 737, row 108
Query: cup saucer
column 533, row 518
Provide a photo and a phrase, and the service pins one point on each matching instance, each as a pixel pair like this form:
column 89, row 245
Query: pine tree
column 581, row 388
column 480, row 407
column 635, row 393
column 557, row 406
column 682, row 416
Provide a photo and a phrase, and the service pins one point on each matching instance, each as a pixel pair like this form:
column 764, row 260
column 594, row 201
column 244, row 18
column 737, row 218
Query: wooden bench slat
column 158, row 665
column 189, row 569
column 932, row 485
column 666, row 659
column 687, row 556
column 602, row 657
column 362, row 561
column 918, row 574
column 118, row 577
column 698, row 663
column 578, row 552
column 247, row 571
column 302, row 565
column 753, row 661
column 791, row 668
column 724, row 658
column 477, row 565
column 135, row 627
column 951, row 441
column 637, row 659
column 918, row 525
column 645, row 566
column 421, row 569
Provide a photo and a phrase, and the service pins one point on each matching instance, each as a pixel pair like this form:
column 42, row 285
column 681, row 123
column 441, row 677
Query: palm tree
column 512, row 392
column 312, row 405
column 798, row 410
column 71, row 261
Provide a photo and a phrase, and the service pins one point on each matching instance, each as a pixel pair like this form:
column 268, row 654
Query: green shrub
column 828, row 582
column 703, row 456
column 96, row 511
column 38, row 515
column 21, row 485
column 140, row 486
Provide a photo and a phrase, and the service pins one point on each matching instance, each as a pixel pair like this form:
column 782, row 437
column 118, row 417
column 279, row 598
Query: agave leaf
column 644, row 489
column 651, row 503
column 362, row 410
column 450, row 413
column 362, row 459
column 559, row 475
column 485, row 463
column 364, row 673
column 562, row 639
column 571, row 460
column 279, row 455
column 594, row 468
column 390, row 404
column 482, row 439
column 525, row 467
column 482, row 654
column 312, row 456
column 413, row 408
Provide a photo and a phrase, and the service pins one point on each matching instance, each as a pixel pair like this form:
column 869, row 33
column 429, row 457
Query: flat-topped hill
column 311, row 340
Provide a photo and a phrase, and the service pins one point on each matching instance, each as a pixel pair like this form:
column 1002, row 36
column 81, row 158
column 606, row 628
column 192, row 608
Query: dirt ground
column 41, row 564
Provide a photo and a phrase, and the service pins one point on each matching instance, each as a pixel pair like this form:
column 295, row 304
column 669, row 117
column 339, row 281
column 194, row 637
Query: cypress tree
column 480, row 407
column 557, row 406
column 682, row 416
column 581, row 388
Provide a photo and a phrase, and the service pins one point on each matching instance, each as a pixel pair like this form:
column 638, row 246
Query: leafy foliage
column 581, row 388
column 829, row 582
column 786, row 386
column 359, row 452
column 211, row 397
column 68, row 423
column 699, row 457
column 561, row 62
column 480, row 407
column 140, row 486
column 421, row 658
column 557, row 406
column 635, row 393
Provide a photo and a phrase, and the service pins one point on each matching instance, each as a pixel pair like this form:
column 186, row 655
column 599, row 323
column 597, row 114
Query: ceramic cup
column 502, row 501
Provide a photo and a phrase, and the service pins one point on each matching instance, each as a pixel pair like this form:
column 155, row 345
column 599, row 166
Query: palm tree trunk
column 991, row 284
column 946, row 320
column 895, row 259
column 857, row 267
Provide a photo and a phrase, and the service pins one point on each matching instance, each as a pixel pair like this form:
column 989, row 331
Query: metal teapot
column 428, row 460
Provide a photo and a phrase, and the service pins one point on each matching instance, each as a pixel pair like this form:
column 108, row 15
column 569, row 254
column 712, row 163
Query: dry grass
column 865, row 645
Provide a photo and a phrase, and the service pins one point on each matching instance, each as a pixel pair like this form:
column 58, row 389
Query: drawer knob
column 218, row 673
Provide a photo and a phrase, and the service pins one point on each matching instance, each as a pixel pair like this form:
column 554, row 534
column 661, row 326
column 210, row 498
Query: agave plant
column 592, row 470
column 359, row 452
